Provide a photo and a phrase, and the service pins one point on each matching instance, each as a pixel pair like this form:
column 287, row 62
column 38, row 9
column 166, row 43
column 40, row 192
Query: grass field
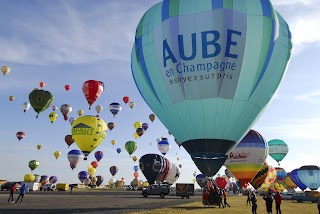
column 238, row 205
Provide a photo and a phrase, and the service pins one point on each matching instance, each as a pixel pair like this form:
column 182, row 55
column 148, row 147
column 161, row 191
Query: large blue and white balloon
column 115, row 108
column 208, row 69
column 310, row 176
column 164, row 146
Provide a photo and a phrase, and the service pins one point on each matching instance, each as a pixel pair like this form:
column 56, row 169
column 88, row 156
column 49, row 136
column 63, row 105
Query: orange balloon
column 42, row 84
column 136, row 174
column 11, row 98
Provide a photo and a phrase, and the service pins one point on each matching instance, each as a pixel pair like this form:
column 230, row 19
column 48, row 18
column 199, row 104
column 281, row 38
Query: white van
column 31, row 186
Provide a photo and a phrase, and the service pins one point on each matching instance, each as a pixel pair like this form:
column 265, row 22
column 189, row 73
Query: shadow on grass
column 191, row 208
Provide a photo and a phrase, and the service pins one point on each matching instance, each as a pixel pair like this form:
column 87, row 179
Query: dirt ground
column 98, row 201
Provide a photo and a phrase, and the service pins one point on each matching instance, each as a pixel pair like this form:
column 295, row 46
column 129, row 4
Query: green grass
column 238, row 205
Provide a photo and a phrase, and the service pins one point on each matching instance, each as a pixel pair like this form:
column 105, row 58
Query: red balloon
column 95, row 164
column 136, row 174
column 221, row 182
column 42, row 84
column 92, row 90
column 126, row 99
column 67, row 87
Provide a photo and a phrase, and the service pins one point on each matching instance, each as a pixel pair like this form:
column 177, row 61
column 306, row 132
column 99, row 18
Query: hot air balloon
column 37, row 178
column 20, row 135
column 270, row 179
column 57, row 154
column 152, row 117
column 98, row 155
column 145, row 126
column 288, row 183
column 137, row 125
column 91, row 170
column 280, row 174
column 92, row 90
column 167, row 165
column 99, row 108
column 41, row 84
column 80, row 112
column 25, row 106
column 134, row 158
column 113, row 170
column 88, row 132
column 83, row 175
column 140, row 131
column 53, row 117
column 53, row 179
column 5, row 69
column 94, row 180
column 39, row 147
column 209, row 78
column 40, row 100
column 151, row 166
column 279, row 187
column 135, row 168
column 71, row 120
column 221, row 182
column 69, row 140
column 126, row 99
column 118, row 150
column 180, row 166
column 245, row 160
column 72, row 166
column 65, row 110
column 164, row 146
column 11, row 98
column 111, row 125
column 74, row 156
column 132, row 104
column 131, row 147
column 54, row 108
column 310, row 176
column 28, row 177
column 44, row 179
column 113, row 142
column 261, row 176
column 135, row 174
column 135, row 135
column 95, row 164
column 112, row 182
column 99, row 180
column 67, row 87
column 115, row 108
column 294, row 177
column 201, row 180
column 278, row 149
column 33, row 164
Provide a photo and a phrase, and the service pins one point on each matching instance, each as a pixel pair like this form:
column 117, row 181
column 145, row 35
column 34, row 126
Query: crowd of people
column 269, row 198
column 214, row 195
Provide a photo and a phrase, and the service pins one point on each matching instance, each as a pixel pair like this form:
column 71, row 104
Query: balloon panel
column 173, row 174
column 294, row 177
column 261, row 176
column 310, row 176
column 151, row 166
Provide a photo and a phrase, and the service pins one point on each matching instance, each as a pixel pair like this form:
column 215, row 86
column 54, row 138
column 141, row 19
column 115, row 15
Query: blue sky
column 69, row 42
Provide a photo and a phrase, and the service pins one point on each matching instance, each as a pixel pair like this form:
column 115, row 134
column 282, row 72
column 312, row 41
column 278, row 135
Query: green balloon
column 40, row 100
column 131, row 147
column 33, row 164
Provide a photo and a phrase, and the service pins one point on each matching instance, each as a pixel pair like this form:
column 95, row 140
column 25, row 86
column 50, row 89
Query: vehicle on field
column 31, row 186
column 155, row 189
column 62, row 186
column 185, row 190
column 287, row 195
column 8, row 185
column 48, row 187
column 311, row 196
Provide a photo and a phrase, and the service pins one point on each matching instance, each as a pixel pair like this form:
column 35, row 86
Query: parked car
column 311, row 196
column 8, row 185
column 161, row 190
column 287, row 195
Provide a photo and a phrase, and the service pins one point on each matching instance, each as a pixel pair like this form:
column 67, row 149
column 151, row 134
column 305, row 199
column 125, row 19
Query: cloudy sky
column 69, row 42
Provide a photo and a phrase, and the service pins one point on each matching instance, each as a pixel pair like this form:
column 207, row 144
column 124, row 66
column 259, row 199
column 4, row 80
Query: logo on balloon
column 82, row 129
column 238, row 155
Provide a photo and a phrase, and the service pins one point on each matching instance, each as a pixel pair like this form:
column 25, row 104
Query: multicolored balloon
column 278, row 149
column 53, row 179
column 20, row 135
column 294, row 177
column 111, row 125
column 99, row 180
column 164, row 146
column 131, row 147
column 261, row 176
column 74, row 156
column 280, row 174
column 115, row 108
column 65, row 110
column 92, row 90
column 44, row 179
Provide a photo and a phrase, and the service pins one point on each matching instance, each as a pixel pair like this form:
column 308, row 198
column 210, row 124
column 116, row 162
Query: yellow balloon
column 140, row 183
column 57, row 154
column 134, row 158
column 29, row 178
column 145, row 184
column 137, row 125
column 80, row 112
column 39, row 147
column 91, row 170
column 53, row 116
column 194, row 180
column 5, row 69
column 94, row 180
column 135, row 135
column 113, row 142
column 279, row 187
column 88, row 132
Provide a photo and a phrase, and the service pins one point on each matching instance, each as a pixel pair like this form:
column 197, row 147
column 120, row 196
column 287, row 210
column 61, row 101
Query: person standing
column 13, row 188
column 253, row 199
column 225, row 198
column 269, row 200
column 205, row 197
column 23, row 190
column 248, row 198
column 319, row 205
column 278, row 199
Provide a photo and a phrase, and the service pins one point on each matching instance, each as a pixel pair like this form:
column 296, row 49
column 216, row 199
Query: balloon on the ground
column 53, row 117
column 98, row 155
column 92, row 90
column 29, row 178
column 288, row 183
column 173, row 174
column 37, row 178
column 201, row 180
column 40, row 100
column 87, row 181
column 99, row 180
column 294, row 177
column 83, row 175
column 167, row 165
column 246, row 159
column 20, row 135
column 57, row 154
column 221, row 182
column 33, row 164
column 278, row 149
column 279, row 187
column 88, row 132
column 69, row 140
column 261, row 176
column 280, row 174
column 91, row 170
column 151, row 166
column 44, row 179
column 310, row 176
column 270, row 179
column 164, row 146
column 209, row 78
column 25, row 106
column 53, row 179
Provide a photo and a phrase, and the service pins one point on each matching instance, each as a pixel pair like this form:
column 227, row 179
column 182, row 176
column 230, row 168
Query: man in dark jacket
column 13, row 188
column 269, row 200
column 23, row 190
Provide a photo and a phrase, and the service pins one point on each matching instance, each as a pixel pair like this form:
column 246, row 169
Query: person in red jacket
column 278, row 199
column 13, row 188
column 205, row 197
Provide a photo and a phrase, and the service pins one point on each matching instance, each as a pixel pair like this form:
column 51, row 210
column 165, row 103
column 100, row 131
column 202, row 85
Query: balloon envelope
column 151, row 166
column 113, row 170
column 294, row 177
column 44, row 179
column 260, row 176
column 278, row 149
column 40, row 100
column 164, row 146
column 209, row 78
column 83, row 175
column 29, row 178
column 173, row 174
column 92, row 90
column 98, row 155
column 201, row 180
column 310, row 176
column 53, row 179
column 99, row 180
column 33, row 164
column 74, row 156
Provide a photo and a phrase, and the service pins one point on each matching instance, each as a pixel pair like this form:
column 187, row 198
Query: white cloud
column 290, row 2
column 311, row 97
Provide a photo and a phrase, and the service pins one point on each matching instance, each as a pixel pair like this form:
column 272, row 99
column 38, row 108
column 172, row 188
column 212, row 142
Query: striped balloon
column 272, row 174
column 288, row 183
column 261, row 176
column 131, row 147
column 281, row 174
